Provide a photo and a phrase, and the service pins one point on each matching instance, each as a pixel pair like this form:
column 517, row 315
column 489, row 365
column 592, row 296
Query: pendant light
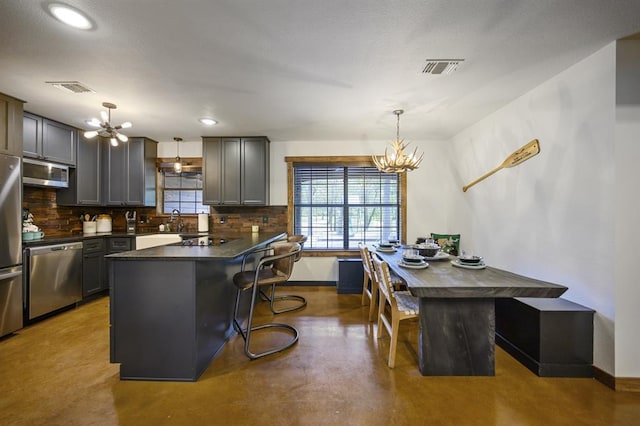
column 397, row 161
column 177, row 166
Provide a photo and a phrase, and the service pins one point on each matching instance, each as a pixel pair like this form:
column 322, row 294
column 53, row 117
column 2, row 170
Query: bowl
column 413, row 259
column 427, row 250
column 386, row 245
column 472, row 260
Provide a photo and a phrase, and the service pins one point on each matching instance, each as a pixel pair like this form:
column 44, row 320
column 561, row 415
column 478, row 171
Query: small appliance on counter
column 103, row 223
column 131, row 222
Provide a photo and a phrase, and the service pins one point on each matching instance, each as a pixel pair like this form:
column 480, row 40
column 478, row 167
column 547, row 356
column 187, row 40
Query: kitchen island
column 457, row 313
column 171, row 306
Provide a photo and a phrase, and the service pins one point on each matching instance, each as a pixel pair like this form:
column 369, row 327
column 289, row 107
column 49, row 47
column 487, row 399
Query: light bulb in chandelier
column 177, row 166
column 106, row 129
column 397, row 161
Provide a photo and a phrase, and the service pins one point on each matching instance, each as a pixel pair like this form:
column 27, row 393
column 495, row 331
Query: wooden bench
column 551, row 337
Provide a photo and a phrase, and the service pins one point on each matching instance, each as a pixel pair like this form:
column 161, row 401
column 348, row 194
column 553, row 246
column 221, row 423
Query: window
column 338, row 204
column 182, row 191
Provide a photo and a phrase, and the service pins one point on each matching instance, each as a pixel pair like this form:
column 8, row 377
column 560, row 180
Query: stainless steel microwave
column 43, row 173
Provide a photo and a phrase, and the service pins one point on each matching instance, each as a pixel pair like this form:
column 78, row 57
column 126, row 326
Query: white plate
column 414, row 265
column 439, row 256
column 464, row 266
column 386, row 249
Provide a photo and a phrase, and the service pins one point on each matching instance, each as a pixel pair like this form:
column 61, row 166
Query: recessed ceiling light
column 70, row 16
column 208, row 121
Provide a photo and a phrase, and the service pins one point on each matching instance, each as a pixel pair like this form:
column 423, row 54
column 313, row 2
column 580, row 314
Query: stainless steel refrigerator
column 10, row 245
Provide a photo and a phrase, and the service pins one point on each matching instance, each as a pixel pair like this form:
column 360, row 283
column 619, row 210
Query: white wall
column 428, row 189
column 627, row 290
column 553, row 216
column 188, row 149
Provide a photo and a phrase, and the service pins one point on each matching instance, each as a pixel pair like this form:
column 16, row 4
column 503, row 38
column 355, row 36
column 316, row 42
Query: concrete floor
column 57, row 372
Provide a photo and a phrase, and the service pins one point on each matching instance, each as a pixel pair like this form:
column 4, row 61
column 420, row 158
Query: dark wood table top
column 443, row 280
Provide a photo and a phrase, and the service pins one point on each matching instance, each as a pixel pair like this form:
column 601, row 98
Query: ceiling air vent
column 441, row 66
column 71, row 86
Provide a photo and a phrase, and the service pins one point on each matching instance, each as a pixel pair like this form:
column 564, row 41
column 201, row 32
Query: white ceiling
column 299, row 70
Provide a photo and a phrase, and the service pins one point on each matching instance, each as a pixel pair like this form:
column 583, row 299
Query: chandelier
column 107, row 130
column 397, row 161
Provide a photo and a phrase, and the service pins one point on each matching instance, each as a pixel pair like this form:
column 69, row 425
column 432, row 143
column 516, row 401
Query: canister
column 104, row 223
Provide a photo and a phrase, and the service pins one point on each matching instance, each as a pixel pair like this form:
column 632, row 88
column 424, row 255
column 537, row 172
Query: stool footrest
column 274, row 299
column 255, row 355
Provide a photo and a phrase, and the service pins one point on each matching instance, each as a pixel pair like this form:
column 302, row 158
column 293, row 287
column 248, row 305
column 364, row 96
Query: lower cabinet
column 93, row 266
column 95, row 275
column 116, row 245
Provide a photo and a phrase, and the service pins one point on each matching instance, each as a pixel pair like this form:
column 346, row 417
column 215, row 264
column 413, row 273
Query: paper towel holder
column 203, row 222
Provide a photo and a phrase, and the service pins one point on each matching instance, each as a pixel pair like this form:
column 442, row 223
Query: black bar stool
column 280, row 266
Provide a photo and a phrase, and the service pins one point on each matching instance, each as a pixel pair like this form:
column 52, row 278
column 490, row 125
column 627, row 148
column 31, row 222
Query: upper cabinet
column 236, row 171
column 10, row 125
column 85, row 180
column 106, row 175
column 130, row 169
column 48, row 140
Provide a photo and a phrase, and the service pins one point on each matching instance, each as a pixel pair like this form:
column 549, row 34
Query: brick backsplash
column 62, row 221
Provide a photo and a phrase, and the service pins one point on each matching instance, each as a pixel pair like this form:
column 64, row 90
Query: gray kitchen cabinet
column 10, row 125
column 211, row 174
column 236, row 171
column 48, row 140
column 116, row 245
column 85, row 180
column 254, row 180
column 93, row 266
column 130, row 178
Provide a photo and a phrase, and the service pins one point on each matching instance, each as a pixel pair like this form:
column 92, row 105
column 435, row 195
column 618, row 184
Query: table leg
column 457, row 337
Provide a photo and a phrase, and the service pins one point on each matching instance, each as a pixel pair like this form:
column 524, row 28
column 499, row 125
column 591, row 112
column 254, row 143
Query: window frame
column 340, row 161
column 164, row 164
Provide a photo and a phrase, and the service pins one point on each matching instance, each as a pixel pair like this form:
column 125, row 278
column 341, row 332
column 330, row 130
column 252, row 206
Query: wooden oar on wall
column 520, row 156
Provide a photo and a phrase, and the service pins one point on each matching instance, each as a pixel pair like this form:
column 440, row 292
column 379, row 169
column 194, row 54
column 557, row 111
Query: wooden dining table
column 457, row 314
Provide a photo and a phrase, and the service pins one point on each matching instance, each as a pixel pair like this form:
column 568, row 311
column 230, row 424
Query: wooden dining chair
column 402, row 306
column 370, row 283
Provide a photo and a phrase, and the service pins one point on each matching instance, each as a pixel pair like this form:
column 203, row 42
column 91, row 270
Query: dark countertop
column 81, row 237
column 443, row 280
column 237, row 245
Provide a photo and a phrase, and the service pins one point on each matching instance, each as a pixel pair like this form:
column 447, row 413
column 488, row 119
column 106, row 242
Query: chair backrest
column 383, row 277
column 283, row 266
column 365, row 254
column 300, row 239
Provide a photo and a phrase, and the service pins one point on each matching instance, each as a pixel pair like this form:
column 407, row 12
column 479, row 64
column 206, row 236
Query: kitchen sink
column 154, row 240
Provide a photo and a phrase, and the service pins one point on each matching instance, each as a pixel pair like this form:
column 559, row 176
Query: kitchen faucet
column 180, row 227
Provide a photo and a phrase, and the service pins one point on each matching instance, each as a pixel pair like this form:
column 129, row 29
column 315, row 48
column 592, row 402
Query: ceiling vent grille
column 71, row 86
column 441, row 66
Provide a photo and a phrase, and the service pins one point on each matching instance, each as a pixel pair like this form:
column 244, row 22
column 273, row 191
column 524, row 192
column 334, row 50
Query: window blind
column 337, row 207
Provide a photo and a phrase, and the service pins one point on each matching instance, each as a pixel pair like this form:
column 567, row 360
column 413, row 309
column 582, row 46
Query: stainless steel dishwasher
column 54, row 279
